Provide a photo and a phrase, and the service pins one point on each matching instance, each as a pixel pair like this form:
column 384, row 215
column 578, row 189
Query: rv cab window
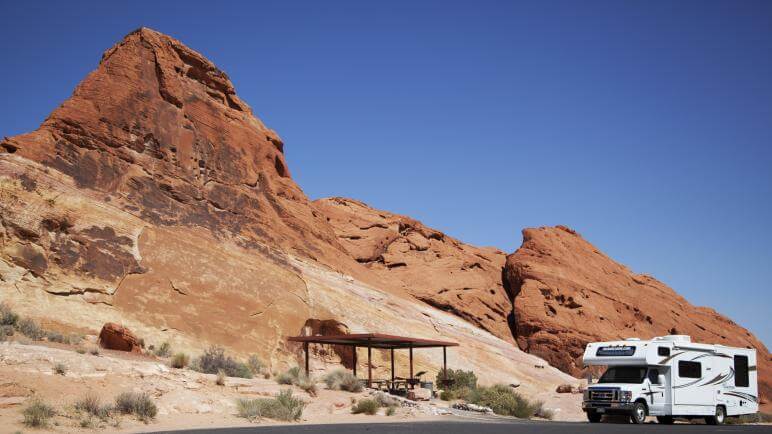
column 653, row 376
column 741, row 371
column 663, row 351
column 689, row 369
column 624, row 374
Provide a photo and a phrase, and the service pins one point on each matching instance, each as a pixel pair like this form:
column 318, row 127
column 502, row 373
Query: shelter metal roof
column 374, row 340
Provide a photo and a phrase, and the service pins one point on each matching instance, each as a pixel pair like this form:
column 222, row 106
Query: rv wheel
column 639, row 413
column 665, row 420
column 594, row 416
column 719, row 418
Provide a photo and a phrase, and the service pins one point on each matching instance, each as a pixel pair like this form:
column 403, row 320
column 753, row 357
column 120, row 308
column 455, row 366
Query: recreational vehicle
column 671, row 377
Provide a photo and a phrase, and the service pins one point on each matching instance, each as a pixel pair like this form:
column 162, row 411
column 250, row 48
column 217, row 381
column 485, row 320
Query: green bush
column 60, row 369
column 164, row 350
column 502, row 400
column 29, row 328
column 366, row 406
column 453, row 394
column 283, row 407
column 214, row 360
column 180, row 360
column 391, row 410
column 341, row 379
column 138, row 404
column 220, row 381
column 56, row 337
column 37, row 414
column 457, row 379
column 7, row 316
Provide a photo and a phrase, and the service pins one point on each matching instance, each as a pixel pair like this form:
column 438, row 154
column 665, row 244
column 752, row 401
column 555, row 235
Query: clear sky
column 646, row 126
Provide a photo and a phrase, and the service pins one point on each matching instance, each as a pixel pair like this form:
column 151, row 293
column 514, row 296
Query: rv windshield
column 624, row 374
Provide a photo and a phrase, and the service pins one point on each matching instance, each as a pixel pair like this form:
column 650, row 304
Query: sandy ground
column 185, row 399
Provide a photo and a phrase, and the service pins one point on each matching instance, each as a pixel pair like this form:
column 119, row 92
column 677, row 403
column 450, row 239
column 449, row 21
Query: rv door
column 689, row 389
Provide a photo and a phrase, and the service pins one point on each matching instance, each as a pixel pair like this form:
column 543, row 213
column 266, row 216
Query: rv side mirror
column 661, row 379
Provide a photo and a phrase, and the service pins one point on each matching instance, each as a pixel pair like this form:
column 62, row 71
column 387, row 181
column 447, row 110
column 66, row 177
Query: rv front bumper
column 607, row 407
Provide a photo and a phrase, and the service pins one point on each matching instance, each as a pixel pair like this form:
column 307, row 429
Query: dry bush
column 214, row 360
column 283, row 407
column 37, row 414
column 180, row 360
column 366, row 406
column 138, row 404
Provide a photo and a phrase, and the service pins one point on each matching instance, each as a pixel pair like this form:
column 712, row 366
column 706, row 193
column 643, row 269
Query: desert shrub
column 283, row 407
column 91, row 405
column 60, row 369
column 56, row 337
column 37, row 414
column 366, row 406
column 6, row 330
column 294, row 376
column 81, row 351
column 540, row 411
column 386, row 400
column 457, row 379
column 749, row 418
column 290, row 376
column 180, row 360
column 391, row 410
column 94, row 351
column 452, row 394
column 340, row 379
column 138, row 404
column 220, row 381
column 164, row 350
column 214, row 360
column 74, row 339
column 29, row 328
column 307, row 384
column 255, row 364
column 7, row 316
column 502, row 400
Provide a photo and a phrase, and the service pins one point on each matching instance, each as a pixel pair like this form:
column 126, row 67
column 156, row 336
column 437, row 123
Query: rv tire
column 594, row 416
column 719, row 418
column 665, row 420
column 638, row 414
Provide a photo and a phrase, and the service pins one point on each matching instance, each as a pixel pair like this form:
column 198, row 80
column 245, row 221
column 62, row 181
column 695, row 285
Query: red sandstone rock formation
column 117, row 337
column 568, row 293
column 159, row 130
column 431, row 266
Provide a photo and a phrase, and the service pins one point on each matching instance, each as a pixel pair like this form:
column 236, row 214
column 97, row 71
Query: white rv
column 671, row 377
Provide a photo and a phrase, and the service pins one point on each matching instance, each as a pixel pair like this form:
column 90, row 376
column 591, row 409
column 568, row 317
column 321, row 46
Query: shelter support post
column 411, row 363
column 445, row 364
column 369, row 366
column 354, row 355
column 392, row 367
column 305, row 349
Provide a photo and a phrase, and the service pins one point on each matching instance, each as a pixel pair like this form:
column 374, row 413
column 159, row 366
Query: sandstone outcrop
column 154, row 198
column 431, row 266
column 116, row 337
column 568, row 293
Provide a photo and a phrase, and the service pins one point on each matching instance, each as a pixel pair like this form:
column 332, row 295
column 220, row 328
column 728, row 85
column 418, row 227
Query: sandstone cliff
column 568, row 293
column 154, row 198
column 431, row 266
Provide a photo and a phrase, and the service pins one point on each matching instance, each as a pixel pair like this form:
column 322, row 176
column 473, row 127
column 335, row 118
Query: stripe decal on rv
column 742, row 395
column 667, row 359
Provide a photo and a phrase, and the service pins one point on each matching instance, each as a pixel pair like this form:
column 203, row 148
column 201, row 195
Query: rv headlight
column 625, row 395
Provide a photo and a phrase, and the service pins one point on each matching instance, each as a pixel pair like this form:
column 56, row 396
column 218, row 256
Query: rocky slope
column 568, row 293
column 153, row 198
column 431, row 266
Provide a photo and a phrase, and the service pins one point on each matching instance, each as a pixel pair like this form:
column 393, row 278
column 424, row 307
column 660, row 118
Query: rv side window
column 689, row 370
column 653, row 376
column 663, row 351
column 741, row 371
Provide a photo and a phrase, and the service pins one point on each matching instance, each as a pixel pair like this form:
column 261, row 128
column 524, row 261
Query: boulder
column 117, row 337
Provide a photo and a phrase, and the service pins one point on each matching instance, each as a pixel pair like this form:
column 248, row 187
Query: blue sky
column 646, row 126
